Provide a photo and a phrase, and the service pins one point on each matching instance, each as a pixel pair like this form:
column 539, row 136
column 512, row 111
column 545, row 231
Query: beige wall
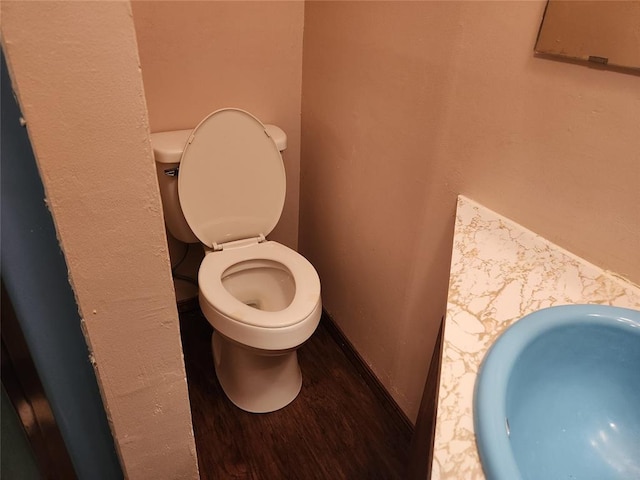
column 407, row 104
column 74, row 66
column 199, row 56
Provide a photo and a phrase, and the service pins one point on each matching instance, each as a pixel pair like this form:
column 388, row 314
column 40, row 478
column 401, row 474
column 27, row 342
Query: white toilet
column 262, row 298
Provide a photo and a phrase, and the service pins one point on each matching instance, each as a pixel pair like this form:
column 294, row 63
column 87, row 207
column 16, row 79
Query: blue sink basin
column 558, row 397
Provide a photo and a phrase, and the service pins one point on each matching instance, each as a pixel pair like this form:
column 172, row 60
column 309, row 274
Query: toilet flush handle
column 172, row 172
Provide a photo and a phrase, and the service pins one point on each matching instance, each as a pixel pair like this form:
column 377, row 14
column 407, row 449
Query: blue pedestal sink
column 558, row 397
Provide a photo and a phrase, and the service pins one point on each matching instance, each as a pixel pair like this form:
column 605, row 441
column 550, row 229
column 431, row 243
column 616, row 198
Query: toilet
column 223, row 184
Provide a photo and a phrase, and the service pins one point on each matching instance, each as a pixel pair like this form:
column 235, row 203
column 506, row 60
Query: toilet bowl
column 263, row 302
column 261, row 297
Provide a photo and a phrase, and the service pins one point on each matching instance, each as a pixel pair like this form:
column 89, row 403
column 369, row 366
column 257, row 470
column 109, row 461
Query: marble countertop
column 500, row 272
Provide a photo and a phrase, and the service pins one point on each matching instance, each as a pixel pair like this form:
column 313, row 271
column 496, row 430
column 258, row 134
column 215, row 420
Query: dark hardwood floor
column 336, row 428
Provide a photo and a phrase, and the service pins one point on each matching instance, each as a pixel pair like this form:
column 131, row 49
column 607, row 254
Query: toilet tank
column 167, row 151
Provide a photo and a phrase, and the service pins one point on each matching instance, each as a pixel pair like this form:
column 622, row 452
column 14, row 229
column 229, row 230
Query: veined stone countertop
column 500, row 272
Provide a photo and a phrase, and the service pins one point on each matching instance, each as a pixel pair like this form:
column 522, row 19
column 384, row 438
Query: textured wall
column 75, row 69
column 407, row 104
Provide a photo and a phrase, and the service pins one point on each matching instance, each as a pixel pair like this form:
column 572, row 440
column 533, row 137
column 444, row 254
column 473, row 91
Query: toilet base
column 257, row 381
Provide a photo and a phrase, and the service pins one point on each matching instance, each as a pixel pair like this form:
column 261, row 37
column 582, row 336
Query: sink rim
column 490, row 392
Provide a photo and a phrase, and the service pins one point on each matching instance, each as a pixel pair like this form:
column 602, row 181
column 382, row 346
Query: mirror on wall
column 604, row 32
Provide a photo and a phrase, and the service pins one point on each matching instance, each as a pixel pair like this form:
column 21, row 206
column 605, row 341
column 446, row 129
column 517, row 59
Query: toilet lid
column 232, row 182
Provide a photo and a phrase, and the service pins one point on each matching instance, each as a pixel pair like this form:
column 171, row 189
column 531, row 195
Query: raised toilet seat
column 259, row 328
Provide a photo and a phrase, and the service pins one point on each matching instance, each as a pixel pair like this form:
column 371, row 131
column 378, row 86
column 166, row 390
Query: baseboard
column 381, row 393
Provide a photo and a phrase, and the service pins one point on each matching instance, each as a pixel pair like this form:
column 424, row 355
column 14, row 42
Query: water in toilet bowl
column 264, row 285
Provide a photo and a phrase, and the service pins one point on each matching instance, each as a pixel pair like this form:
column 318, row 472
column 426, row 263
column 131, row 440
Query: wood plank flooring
column 335, row 429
